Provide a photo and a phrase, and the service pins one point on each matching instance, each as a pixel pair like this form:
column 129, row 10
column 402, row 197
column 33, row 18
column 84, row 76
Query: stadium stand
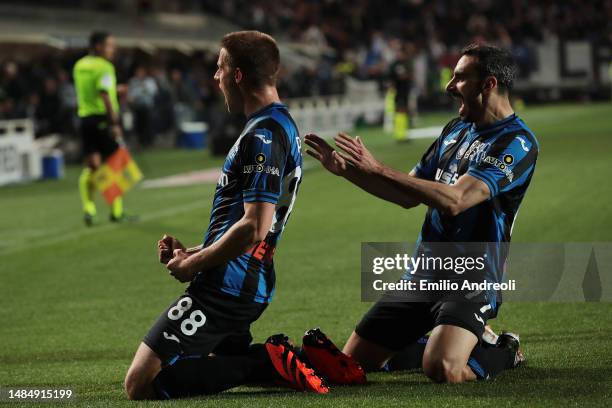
column 329, row 48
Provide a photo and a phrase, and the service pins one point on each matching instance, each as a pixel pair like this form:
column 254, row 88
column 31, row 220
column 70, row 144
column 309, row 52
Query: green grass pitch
column 76, row 302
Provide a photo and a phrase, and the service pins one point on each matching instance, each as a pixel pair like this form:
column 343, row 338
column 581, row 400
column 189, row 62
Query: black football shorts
column 96, row 136
column 198, row 325
column 395, row 325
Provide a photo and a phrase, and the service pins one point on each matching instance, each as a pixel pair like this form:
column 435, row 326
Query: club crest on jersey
column 462, row 150
column 477, row 151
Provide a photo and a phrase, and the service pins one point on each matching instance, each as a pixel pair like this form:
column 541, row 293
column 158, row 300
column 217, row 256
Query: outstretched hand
column 324, row 153
column 356, row 154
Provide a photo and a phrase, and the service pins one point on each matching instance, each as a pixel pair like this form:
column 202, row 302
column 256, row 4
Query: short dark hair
column 256, row 54
column 97, row 37
column 494, row 61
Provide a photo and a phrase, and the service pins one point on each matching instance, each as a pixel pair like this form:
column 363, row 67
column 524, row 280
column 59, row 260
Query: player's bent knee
column 447, row 352
column 431, row 369
column 132, row 385
column 443, row 370
column 138, row 385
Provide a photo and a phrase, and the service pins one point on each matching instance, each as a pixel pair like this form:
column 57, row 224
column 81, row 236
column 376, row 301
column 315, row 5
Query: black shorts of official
column 395, row 325
column 200, row 323
column 401, row 101
column 96, row 136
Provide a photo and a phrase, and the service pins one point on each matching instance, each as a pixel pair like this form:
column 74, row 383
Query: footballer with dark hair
column 473, row 179
column 201, row 344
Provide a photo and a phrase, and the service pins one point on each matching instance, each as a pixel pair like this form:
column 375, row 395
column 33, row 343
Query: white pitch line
column 103, row 228
column 424, row 133
column 184, row 179
column 419, row 133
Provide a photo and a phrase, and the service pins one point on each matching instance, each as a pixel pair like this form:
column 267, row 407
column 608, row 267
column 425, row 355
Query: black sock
column 488, row 362
column 199, row 375
column 262, row 370
column 410, row 358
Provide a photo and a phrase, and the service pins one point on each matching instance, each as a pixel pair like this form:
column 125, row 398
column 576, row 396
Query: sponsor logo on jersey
column 260, row 158
column 485, row 308
column 262, row 252
column 258, row 168
column 523, row 144
column 262, row 138
column 501, row 165
column 171, row 337
column 447, row 177
column 106, row 81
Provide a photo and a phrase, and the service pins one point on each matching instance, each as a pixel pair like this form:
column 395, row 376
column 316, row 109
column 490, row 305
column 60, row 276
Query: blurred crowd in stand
column 403, row 43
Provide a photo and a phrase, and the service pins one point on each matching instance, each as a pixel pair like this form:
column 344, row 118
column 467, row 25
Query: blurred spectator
column 361, row 38
column 401, row 76
column 49, row 108
column 15, row 90
column 68, row 103
column 164, row 111
column 142, row 91
column 183, row 97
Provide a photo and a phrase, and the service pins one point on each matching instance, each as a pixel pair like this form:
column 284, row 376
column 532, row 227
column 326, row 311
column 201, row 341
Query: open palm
column 323, row 152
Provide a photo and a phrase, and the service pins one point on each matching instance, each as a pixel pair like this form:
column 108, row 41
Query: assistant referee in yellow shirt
column 98, row 110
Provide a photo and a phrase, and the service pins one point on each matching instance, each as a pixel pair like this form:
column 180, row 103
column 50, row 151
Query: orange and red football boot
column 329, row 362
column 290, row 368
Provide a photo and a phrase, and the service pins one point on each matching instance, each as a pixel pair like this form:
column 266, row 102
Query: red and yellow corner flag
column 117, row 175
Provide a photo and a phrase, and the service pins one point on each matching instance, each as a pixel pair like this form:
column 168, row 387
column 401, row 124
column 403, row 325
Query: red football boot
column 335, row 366
column 291, row 369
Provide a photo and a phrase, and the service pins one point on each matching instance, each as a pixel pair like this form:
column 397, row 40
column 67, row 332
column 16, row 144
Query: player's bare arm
column 251, row 229
column 335, row 163
column 452, row 199
column 113, row 117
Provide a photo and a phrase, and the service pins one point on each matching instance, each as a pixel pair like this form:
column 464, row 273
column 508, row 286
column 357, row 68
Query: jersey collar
column 265, row 108
column 495, row 125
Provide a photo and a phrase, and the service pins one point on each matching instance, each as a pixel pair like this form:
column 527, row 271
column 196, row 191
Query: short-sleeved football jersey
column 503, row 155
column 93, row 74
column 264, row 165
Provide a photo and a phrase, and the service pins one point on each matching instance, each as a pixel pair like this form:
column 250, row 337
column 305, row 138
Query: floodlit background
column 76, row 301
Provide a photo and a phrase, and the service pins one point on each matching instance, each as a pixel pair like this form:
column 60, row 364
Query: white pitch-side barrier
column 20, row 160
column 327, row 115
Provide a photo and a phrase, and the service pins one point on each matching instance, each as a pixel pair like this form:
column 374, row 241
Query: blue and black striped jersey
column 503, row 155
column 264, row 165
